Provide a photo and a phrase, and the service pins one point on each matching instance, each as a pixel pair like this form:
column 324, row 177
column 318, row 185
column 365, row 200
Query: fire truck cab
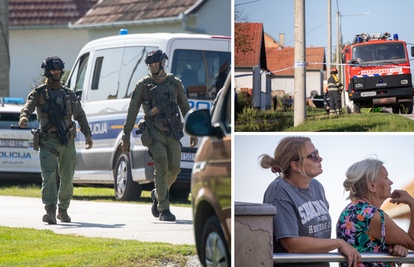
column 377, row 73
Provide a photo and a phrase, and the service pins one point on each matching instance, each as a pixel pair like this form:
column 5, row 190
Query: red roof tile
column 278, row 59
column 255, row 35
column 47, row 12
column 132, row 10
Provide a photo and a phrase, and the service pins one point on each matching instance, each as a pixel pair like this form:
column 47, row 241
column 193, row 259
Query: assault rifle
column 170, row 108
column 55, row 116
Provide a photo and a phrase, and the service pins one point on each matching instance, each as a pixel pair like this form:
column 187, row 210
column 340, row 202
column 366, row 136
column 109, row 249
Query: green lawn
column 317, row 121
column 25, row 189
column 29, row 247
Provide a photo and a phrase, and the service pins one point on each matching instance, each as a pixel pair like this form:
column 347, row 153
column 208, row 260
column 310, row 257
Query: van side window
column 75, row 82
column 203, row 73
column 107, row 64
column 97, row 73
column 133, row 69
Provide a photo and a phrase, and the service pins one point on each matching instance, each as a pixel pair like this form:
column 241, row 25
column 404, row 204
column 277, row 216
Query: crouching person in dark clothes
column 56, row 105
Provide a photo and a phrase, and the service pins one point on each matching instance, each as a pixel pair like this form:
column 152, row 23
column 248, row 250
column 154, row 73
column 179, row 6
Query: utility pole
column 4, row 49
column 329, row 52
column 300, row 63
column 337, row 40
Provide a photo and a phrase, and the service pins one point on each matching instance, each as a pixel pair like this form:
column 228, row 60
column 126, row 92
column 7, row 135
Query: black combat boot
column 166, row 215
column 154, row 208
column 63, row 215
column 50, row 216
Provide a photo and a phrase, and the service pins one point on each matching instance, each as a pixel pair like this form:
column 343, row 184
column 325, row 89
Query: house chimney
column 282, row 39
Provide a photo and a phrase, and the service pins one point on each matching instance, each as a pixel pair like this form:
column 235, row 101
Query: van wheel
column 214, row 250
column 125, row 188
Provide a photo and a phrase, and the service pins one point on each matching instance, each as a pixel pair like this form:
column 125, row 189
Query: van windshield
column 386, row 53
column 202, row 72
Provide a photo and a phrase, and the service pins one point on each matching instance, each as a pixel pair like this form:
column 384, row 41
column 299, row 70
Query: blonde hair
column 358, row 176
column 289, row 149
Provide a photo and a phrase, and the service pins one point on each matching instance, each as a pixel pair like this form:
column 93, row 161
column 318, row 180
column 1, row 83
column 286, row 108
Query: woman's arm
column 320, row 245
column 394, row 235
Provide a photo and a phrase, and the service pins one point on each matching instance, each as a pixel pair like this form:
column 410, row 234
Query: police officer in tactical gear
column 334, row 91
column 56, row 105
column 160, row 94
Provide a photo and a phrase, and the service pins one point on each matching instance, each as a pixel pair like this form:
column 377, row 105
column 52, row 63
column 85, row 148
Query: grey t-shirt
column 300, row 212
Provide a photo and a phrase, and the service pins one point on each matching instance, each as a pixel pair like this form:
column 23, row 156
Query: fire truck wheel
column 396, row 109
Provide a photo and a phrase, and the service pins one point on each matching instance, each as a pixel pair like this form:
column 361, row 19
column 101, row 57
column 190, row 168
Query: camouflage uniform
column 165, row 150
column 51, row 150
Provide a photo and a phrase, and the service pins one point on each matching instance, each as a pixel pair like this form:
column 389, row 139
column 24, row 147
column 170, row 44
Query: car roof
column 11, row 105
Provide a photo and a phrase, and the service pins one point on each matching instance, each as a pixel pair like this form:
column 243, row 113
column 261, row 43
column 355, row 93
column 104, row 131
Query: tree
column 242, row 42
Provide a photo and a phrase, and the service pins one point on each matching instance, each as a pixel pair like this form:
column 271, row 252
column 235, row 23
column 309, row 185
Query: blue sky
column 339, row 151
column 277, row 17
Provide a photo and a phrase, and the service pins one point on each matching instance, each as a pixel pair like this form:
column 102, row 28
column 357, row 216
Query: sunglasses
column 314, row 155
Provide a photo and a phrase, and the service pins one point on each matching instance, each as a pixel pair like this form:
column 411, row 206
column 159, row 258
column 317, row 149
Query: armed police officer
column 334, row 91
column 160, row 95
column 56, row 105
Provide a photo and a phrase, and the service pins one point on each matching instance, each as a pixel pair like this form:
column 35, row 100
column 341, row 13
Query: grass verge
column 251, row 120
column 29, row 247
column 26, row 189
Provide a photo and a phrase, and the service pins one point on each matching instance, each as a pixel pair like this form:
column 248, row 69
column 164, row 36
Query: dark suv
column 211, row 180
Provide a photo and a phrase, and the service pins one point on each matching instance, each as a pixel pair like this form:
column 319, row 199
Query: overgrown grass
column 25, row 189
column 29, row 247
column 251, row 120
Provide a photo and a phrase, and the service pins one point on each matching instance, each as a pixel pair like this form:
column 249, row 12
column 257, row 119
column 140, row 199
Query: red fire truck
column 378, row 73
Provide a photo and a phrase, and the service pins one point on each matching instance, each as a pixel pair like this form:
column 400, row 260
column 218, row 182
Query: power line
column 247, row 3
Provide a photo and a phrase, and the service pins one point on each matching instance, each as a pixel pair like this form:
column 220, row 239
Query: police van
column 104, row 76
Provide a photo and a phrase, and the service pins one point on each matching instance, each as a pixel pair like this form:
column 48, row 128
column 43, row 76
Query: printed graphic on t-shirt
column 316, row 211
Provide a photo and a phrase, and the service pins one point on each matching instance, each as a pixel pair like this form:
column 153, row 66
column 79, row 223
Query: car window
column 75, row 82
column 226, row 111
column 7, row 120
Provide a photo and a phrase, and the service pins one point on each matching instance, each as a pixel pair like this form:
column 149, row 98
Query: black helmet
column 52, row 63
column 155, row 56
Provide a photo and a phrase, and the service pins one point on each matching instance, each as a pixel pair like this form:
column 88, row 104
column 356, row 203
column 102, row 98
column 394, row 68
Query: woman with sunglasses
column 302, row 223
column 362, row 223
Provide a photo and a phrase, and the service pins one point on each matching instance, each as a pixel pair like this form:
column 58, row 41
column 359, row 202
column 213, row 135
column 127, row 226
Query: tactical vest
column 154, row 114
column 63, row 100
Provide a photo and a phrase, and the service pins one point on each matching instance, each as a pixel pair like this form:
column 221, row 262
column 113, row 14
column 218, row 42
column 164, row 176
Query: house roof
column 110, row 11
column 32, row 13
column 271, row 42
column 255, row 35
column 278, row 59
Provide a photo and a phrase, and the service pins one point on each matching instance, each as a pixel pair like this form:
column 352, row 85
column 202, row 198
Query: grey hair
column 358, row 176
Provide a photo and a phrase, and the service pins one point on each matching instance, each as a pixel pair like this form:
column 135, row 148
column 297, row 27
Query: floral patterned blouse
column 353, row 227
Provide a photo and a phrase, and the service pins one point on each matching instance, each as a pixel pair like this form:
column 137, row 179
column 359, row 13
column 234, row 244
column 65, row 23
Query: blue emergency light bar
column 13, row 100
column 123, row 32
column 395, row 37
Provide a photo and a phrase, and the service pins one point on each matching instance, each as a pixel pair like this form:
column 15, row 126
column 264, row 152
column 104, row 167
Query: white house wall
column 284, row 83
column 28, row 48
column 245, row 81
column 215, row 18
column 314, row 82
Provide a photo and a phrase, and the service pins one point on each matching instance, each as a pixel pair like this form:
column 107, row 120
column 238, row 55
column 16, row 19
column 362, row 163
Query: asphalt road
column 101, row 219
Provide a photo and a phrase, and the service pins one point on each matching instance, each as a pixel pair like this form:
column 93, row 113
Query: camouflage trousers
column 165, row 152
column 66, row 163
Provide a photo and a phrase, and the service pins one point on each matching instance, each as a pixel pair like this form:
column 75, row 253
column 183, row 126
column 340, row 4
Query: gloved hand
column 340, row 85
column 88, row 141
column 23, row 122
column 126, row 144
column 193, row 141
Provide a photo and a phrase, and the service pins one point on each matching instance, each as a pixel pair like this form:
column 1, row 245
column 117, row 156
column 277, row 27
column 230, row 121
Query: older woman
column 302, row 223
column 362, row 223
